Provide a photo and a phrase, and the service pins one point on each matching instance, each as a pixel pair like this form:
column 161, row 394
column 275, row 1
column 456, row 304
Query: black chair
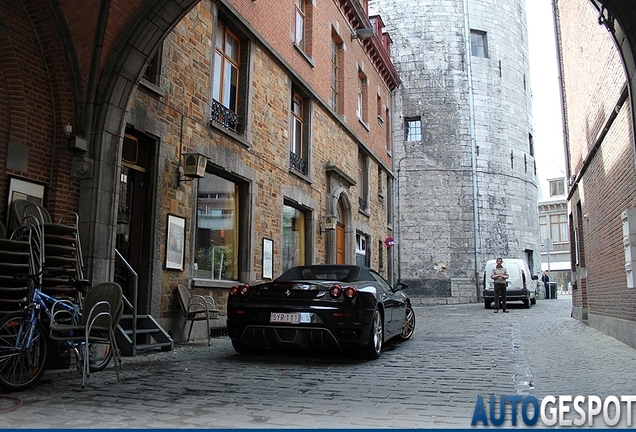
column 102, row 309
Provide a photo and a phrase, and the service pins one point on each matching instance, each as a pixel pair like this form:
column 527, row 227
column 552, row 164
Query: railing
column 225, row 117
column 133, row 306
column 298, row 163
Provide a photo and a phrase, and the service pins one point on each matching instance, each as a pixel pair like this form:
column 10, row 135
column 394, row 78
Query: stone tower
column 466, row 184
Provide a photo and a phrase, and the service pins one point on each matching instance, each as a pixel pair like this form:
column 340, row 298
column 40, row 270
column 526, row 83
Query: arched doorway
column 341, row 256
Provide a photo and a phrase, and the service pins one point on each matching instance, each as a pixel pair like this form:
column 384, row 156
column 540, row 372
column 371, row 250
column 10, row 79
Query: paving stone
column 457, row 353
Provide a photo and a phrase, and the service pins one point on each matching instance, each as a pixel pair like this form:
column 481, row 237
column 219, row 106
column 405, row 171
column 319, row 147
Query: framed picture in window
column 175, row 242
column 21, row 189
column 268, row 258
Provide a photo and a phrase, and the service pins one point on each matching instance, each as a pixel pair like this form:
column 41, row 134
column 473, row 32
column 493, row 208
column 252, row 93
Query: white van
column 522, row 285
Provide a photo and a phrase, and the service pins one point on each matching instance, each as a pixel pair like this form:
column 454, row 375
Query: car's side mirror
column 401, row 286
column 535, row 277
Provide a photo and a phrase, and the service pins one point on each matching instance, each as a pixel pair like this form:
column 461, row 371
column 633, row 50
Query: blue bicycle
column 24, row 342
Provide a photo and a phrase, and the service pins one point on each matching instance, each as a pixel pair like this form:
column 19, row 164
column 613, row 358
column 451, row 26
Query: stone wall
column 442, row 240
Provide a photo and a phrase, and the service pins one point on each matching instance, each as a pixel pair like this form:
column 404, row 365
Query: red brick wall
column 38, row 100
column 601, row 151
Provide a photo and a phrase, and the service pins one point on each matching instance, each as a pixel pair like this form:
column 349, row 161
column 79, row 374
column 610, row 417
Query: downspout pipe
column 473, row 148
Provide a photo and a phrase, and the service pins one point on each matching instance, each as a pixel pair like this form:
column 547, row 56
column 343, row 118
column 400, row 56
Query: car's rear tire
column 373, row 348
column 526, row 303
column 487, row 304
column 242, row 349
column 408, row 326
column 533, row 301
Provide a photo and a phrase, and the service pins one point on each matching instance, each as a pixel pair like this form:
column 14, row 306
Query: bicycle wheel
column 99, row 357
column 20, row 367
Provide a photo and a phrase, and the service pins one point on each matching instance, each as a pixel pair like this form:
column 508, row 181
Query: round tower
column 466, row 183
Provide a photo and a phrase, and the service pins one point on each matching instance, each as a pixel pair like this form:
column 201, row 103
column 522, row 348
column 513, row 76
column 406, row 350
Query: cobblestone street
column 432, row 381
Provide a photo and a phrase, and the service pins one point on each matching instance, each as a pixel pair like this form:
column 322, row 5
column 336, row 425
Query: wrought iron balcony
column 298, row 163
column 225, row 117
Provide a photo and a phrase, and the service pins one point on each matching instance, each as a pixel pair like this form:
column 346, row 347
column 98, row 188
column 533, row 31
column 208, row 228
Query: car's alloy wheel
column 408, row 327
column 376, row 337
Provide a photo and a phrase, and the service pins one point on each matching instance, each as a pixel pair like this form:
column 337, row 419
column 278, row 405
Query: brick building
column 289, row 119
column 597, row 69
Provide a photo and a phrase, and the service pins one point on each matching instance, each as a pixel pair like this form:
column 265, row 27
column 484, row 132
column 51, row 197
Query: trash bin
column 550, row 290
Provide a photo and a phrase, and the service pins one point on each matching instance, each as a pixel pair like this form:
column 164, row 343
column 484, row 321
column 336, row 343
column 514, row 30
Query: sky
column 546, row 100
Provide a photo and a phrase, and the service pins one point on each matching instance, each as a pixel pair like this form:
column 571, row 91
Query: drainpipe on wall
column 473, row 152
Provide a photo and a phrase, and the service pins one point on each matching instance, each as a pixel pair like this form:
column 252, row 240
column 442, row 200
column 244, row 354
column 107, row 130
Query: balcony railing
column 298, row 163
column 225, row 117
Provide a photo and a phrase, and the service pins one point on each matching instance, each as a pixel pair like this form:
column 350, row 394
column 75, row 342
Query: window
column 363, row 182
column 334, row 75
column 361, row 250
column 544, row 233
column 152, row 71
column 413, row 129
column 389, row 200
column 218, row 233
column 299, row 133
column 559, row 228
column 225, row 86
column 530, row 145
column 380, row 182
column 389, row 138
column 294, row 237
column 557, row 187
column 299, row 34
column 362, row 109
column 478, row 43
column 303, row 25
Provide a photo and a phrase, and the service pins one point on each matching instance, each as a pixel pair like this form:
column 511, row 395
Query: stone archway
column 105, row 126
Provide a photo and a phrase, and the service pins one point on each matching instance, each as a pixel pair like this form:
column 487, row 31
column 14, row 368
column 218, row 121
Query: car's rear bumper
column 253, row 329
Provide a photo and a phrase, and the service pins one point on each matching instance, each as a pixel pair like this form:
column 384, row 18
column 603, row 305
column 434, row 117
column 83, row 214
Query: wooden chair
column 197, row 308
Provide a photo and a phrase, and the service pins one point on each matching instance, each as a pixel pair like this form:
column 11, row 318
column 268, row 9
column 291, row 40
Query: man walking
column 499, row 275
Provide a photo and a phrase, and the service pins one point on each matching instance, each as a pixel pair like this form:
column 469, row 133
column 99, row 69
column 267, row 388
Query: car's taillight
column 243, row 290
column 350, row 292
column 335, row 291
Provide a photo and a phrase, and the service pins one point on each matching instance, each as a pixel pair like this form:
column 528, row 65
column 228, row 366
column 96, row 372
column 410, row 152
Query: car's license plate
column 289, row 318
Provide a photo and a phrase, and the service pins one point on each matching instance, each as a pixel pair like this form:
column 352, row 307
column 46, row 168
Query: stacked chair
column 15, row 259
column 59, row 249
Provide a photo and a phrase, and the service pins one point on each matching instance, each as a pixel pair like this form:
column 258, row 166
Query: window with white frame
column 412, row 129
column 557, row 187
